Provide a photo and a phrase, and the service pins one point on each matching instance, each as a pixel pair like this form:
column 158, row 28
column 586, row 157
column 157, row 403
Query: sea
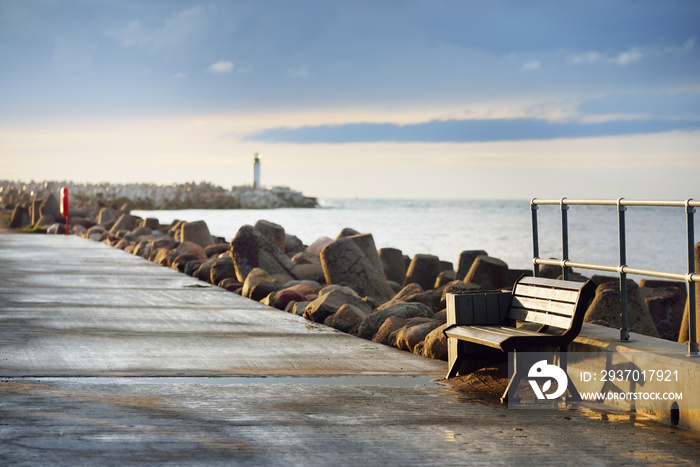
column 655, row 236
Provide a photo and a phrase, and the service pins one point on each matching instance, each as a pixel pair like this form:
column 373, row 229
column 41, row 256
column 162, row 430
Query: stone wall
column 155, row 197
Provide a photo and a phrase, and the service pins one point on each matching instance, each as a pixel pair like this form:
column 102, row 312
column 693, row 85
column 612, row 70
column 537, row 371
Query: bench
column 482, row 326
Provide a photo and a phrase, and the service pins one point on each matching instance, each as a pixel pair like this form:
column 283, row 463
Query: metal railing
column 622, row 269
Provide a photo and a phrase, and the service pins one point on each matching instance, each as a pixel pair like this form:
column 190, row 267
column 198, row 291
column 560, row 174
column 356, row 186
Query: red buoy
column 64, row 204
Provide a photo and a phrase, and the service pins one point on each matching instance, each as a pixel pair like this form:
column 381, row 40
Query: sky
column 434, row 99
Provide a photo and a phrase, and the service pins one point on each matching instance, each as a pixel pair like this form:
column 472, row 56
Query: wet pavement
column 107, row 358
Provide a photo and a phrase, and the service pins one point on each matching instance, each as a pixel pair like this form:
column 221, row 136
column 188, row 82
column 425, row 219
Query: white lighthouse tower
column 256, row 172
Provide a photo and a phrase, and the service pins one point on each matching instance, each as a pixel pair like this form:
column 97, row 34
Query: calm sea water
column 655, row 236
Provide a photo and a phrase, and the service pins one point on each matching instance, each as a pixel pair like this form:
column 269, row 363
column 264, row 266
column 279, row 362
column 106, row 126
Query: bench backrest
column 550, row 302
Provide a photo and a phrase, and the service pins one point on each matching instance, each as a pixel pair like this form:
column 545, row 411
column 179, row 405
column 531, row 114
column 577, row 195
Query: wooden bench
column 482, row 326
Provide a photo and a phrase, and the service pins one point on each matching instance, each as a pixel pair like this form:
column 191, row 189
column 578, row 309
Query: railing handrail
column 614, row 202
column 694, row 277
column 622, row 268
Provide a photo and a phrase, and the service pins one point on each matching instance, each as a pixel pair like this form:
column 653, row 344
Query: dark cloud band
column 467, row 131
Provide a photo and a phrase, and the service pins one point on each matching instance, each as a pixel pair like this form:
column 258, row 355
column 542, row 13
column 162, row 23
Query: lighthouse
column 256, row 172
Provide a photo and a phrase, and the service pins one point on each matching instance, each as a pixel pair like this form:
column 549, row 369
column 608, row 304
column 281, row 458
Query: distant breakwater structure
column 344, row 282
column 148, row 196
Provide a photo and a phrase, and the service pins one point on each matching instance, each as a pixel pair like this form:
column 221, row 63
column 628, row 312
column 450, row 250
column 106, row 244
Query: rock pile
column 149, row 196
column 346, row 282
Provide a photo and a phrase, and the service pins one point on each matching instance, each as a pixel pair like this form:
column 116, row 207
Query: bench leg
column 455, row 357
column 570, row 389
column 514, row 381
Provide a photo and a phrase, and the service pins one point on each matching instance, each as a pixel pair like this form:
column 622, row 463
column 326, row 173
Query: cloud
column 631, row 55
column 179, row 75
column 221, row 67
column 441, row 131
column 532, row 65
column 298, row 72
column 175, row 32
column 688, row 46
column 588, row 57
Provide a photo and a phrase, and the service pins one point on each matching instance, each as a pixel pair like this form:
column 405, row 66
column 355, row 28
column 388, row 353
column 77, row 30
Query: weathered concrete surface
column 107, row 358
column 73, row 307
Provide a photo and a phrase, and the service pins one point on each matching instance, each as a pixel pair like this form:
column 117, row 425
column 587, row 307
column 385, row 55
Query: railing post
column 624, row 328
column 692, row 317
column 535, row 239
column 564, row 238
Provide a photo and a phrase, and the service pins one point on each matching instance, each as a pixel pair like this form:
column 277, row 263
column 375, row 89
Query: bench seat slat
column 559, row 284
column 568, row 296
column 540, row 318
column 563, row 309
column 491, row 336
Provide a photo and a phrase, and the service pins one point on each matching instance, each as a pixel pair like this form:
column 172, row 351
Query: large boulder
column 56, row 229
column 164, row 242
column 142, row 247
column 435, row 344
column 311, row 272
column 466, row 259
column 191, row 267
column 365, row 242
column 411, row 293
column 274, row 233
column 20, row 217
column 94, row 232
column 395, row 264
column 151, row 222
column 297, row 308
column 423, row 270
column 347, row 232
column 304, row 257
column 45, row 220
column 163, row 256
column 344, row 263
column 347, row 319
column 295, row 291
column 179, row 262
column 666, row 303
column 196, row 232
column 49, row 206
column 445, row 277
column 605, row 309
column 259, row 284
column 388, row 327
column 106, row 216
column 203, row 273
column 293, row 244
column 488, row 272
column 320, row 243
column 329, row 303
column 414, row 332
column 374, row 321
column 125, row 222
column 283, row 297
column 190, row 248
column 549, row 271
column 250, row 249
column 221, row 268
column 216, row 249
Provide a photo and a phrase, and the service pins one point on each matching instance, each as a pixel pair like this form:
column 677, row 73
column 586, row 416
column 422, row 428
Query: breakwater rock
column 151, row 197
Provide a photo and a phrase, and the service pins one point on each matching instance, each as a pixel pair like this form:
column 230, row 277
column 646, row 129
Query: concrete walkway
column 107, row 358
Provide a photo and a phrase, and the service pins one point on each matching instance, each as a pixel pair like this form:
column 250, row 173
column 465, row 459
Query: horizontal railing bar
column 615, row 202
column 619, row 269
